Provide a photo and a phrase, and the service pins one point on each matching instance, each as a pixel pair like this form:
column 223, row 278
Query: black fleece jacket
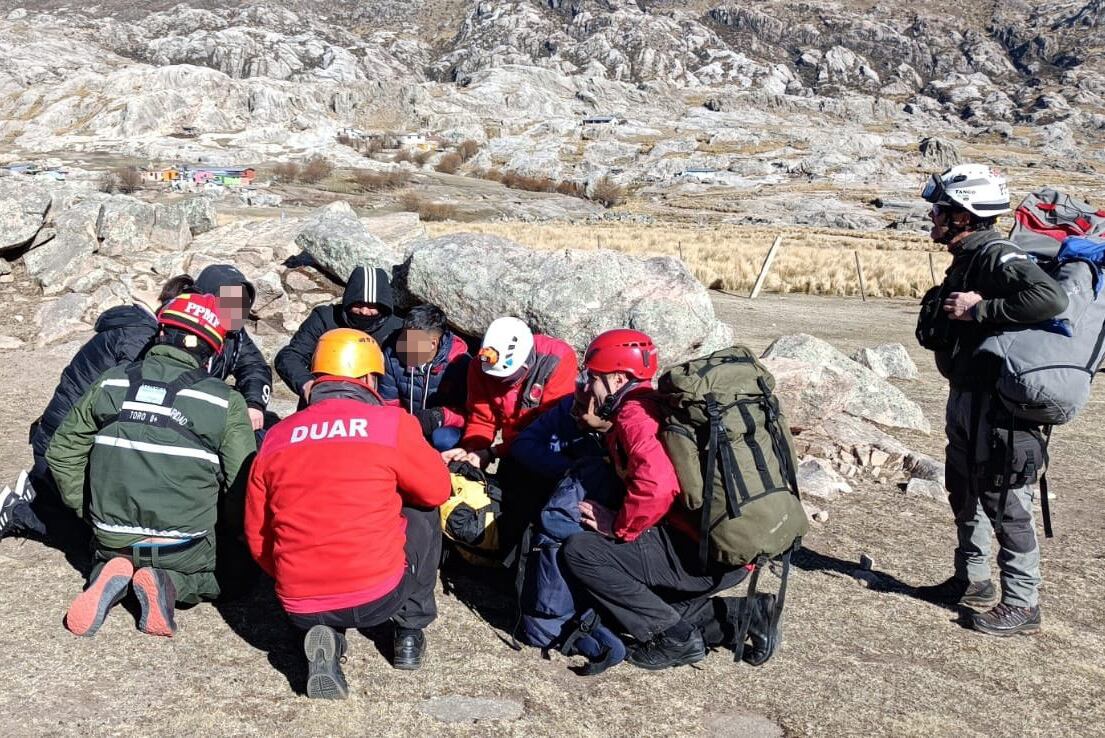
column 365, row 287
column 240, row 357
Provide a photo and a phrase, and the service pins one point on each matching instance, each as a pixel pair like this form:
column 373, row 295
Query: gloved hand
column 430, row 419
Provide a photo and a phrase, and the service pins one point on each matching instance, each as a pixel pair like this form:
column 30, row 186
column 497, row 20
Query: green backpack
column 724, row 426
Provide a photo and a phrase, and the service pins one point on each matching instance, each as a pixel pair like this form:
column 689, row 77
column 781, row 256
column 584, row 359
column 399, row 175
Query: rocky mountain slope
column 774, row 95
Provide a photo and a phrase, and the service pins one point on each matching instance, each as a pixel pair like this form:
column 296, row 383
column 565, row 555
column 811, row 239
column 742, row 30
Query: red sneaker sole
column 89, row 610
column 157, row 615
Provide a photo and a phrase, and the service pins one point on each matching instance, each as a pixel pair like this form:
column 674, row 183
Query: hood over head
column 125, row 316
column 367, row 286
column 216, row 276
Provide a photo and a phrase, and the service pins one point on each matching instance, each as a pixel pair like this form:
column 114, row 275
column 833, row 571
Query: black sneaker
column 407, row 648
column 664, row 652
column 1007, row 620
column 325, row 649
column 763, row 639
column 954, row 592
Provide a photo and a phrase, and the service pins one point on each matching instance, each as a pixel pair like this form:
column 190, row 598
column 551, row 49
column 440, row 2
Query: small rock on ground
column 7, row 343
column 460, row 709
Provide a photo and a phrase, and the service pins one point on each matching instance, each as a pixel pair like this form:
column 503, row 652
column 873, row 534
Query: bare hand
column 958, row 305
column 256, row 419
column 598, row 518
column 453, row 454
column 306, row 389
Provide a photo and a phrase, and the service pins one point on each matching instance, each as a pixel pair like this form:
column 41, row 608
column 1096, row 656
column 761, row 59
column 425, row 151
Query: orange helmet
column 346, row 352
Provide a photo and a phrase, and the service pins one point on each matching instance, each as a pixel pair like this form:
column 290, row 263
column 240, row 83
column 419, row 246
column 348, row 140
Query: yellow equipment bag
column 469, row 517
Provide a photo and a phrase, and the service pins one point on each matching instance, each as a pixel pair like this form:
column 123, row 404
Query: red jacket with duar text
column 651, row 485
column 496, row 406
column 323, row 506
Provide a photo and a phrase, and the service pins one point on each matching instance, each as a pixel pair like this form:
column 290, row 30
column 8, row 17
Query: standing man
column 155, row 443
column 342, row 512
column 991, row 284
column 368, row 305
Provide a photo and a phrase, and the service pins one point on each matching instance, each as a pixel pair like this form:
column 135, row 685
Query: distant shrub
column 428, row 211
column 287, row 171
column 315, row 170
column 372, row 181
column 449, row 163
column 467, row 149
column 125, row 180
column 421, row 157
column 608, row 192
column 403, row 155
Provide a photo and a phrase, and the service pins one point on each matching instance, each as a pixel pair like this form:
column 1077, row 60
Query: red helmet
column 623, row 350
column 198, row 315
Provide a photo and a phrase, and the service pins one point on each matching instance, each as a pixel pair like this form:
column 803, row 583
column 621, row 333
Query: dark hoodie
column 240, row 357
column 365, row 287
column 122, row 335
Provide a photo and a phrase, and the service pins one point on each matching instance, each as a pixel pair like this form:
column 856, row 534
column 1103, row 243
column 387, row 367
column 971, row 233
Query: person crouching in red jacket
column 341, row 512
column 516, row 377
column 640, row 563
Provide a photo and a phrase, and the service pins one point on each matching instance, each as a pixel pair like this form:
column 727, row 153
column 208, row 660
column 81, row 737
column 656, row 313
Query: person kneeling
column 341, row 512
column 155, row 443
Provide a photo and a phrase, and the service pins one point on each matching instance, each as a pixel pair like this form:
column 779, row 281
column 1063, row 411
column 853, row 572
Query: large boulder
column 22, row 212
column 339, row 242
column 571, row 294
column 809, row 394
column 888, row 360
column 398, row 230
column 55, row 264
column 200, row 214
column 872, row 397
column 60, row 318
column 125, row 226
column 170, row 228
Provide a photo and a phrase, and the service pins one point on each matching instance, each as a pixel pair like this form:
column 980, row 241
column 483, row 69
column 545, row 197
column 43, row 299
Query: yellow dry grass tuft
column 812, row 261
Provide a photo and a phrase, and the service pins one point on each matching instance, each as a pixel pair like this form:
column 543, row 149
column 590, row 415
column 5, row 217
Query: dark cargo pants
column 649, row 584
column 412, row 603
column 976, row 511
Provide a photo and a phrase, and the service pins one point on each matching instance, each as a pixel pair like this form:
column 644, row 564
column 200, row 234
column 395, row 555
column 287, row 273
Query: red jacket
column 496, row 406
column 325, row 493
column 651, row 486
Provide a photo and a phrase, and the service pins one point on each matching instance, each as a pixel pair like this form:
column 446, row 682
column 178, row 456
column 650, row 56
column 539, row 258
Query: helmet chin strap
column 613, row 398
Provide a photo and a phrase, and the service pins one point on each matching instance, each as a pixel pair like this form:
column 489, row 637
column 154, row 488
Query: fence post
column 859, row 272
column 766, row 267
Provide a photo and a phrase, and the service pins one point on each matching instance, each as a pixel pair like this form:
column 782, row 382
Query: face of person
column 416, row 348
column 601, row 386
column 365, row 311
column 232, row 305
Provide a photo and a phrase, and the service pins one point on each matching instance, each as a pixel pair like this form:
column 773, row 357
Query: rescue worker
column 155, row 443
column 367, row 305
column 990, row 284
column 341, row 511
column 640, row 563
column 516, row 376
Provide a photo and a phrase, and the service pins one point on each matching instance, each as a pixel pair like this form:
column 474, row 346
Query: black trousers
column 649, row 584
column 411, row 604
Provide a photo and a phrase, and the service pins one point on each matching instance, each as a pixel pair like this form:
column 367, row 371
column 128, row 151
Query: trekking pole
column 932, row 270
column 859, row 273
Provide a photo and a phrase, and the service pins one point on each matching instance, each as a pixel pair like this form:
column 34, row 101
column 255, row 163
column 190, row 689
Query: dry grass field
column 726, row 257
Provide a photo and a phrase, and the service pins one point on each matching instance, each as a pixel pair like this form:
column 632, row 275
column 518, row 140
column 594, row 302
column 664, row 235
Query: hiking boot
column 665, row 651
column 89, row 610
column 763, row 638
column 954, row 592
column 325, row 649
column 1007, row 620
column 408, row 647
column 156, row 594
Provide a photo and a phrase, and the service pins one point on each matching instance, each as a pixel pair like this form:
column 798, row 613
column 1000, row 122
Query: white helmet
column 506, row 347
column 976, row 188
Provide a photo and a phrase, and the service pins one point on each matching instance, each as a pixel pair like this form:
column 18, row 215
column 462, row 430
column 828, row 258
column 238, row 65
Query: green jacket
column 153, row 465
column 1014, row 289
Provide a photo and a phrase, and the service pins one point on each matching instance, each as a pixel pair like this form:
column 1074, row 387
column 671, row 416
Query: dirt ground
column 856, row 660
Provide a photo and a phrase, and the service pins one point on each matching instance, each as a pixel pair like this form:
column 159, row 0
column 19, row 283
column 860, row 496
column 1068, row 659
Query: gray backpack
column 1047, row 217
column 1046, row 369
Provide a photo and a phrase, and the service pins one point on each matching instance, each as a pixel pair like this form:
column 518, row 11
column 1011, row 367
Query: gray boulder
column 61, row 260
column 339, row 242
column 398, row 230
column 888, row 360
column 200, row 214
column 571, row 294
column 808, row 393
column 818, row 478
column 5, row 267
column 872, row 397
column 171, row 229
column 60, row 318
column 125, row 226
column 939, row 153
column 22, row 212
